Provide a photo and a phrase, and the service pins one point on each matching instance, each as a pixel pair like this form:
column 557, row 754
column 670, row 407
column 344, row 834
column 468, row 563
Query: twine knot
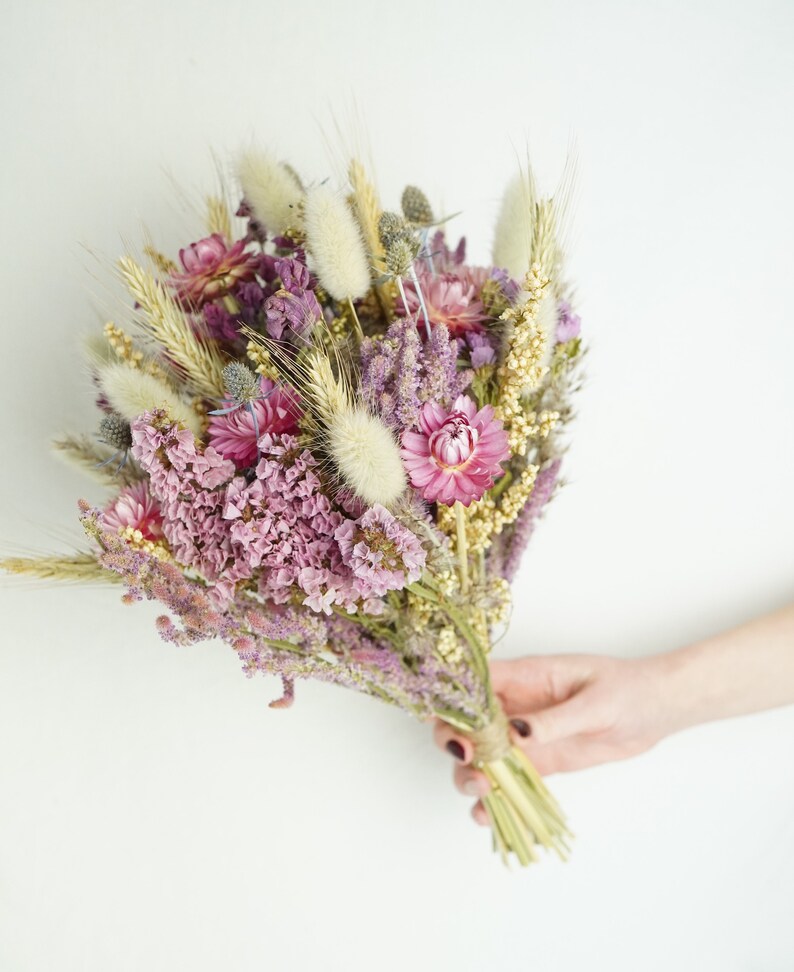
column 492, row 742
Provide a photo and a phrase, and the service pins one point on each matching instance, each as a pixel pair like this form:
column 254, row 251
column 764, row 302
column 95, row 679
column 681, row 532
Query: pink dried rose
column 452, row 298
column 137, row 509
column 456, row 454
column 211, row 269
column 235, row 435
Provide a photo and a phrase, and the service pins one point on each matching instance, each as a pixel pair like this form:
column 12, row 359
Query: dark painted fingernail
column 521, row 727
column 454, row 747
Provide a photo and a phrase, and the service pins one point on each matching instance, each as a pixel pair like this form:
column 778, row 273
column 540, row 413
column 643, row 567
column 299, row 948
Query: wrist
column 680, row 694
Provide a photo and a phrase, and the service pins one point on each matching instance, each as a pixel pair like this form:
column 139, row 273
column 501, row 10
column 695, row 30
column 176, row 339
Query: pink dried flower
column 451, row 298
column 135, row 507
column 456, row 454
column 235, row 435
column 382, row 553
column 212, row 269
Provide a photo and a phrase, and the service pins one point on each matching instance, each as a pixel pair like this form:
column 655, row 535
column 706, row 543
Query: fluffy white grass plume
column 363, row 450
column 334, row 241
column 512, row 247
column 271, row 189
column 132, row 391
column 366, row 455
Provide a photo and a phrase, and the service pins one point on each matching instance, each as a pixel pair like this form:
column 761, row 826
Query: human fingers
column 479, row 814
column 537, row 682
column 470, row 782
column 458, row 746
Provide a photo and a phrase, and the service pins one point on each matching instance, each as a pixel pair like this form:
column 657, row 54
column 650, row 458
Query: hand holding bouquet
column 330, row 438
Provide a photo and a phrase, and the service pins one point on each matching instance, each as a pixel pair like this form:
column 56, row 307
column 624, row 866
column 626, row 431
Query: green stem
column 463, row 547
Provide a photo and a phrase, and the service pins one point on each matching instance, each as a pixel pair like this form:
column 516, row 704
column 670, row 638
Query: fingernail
column 455, row 748
column 471, row 788
column 521, row 727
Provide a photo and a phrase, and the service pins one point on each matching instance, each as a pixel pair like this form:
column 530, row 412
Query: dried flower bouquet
column 330, row 438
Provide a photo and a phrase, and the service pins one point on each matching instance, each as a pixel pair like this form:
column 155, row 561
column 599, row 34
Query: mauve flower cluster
column 399, row 372
column 293, row 307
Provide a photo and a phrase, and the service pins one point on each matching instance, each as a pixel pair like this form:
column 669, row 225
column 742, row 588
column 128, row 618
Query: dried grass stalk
column 164, row 321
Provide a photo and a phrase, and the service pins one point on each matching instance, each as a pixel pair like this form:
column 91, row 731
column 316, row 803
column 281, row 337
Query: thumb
column 557, row 722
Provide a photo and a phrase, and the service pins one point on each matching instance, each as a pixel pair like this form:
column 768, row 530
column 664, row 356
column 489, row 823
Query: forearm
column 744, row 670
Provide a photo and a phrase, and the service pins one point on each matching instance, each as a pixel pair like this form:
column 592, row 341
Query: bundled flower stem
column 328, row 438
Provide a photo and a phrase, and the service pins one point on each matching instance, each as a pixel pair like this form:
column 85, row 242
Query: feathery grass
column 219, row 219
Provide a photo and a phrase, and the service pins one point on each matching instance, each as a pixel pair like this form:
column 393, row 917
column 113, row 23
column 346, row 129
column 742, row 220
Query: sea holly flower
column 211, row 269
column 456, row 454
column 137, row 509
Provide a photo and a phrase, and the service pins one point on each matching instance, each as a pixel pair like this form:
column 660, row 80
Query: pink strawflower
column 212, row 268
column 452, row 298
column 235, row 435
column 456, row 454
column 135, row 507
column 382, row 553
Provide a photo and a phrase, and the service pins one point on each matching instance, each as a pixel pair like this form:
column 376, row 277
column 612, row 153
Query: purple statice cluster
column 399, row 372
column 277, row 530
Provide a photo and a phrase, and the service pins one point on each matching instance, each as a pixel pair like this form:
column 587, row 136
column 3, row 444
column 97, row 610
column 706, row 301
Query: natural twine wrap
column 493, row 741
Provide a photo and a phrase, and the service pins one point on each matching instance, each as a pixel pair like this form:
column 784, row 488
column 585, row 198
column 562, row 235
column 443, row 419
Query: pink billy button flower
column 456, row 454
column 212, row 268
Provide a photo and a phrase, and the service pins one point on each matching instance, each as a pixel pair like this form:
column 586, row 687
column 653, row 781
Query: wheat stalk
column 166, row 323
column 79, row 451
column 218, row 217
column 80, row 567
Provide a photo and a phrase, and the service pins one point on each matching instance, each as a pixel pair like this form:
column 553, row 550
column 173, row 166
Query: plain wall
column 154, row 813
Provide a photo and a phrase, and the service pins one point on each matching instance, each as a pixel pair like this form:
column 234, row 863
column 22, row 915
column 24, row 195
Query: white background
column 154, row 814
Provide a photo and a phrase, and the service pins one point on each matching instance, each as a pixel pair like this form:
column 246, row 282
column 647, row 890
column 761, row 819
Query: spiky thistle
column 416, row 206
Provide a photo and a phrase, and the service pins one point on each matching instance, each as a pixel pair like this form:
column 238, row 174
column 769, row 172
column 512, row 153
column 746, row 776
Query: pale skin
column 568, row 712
